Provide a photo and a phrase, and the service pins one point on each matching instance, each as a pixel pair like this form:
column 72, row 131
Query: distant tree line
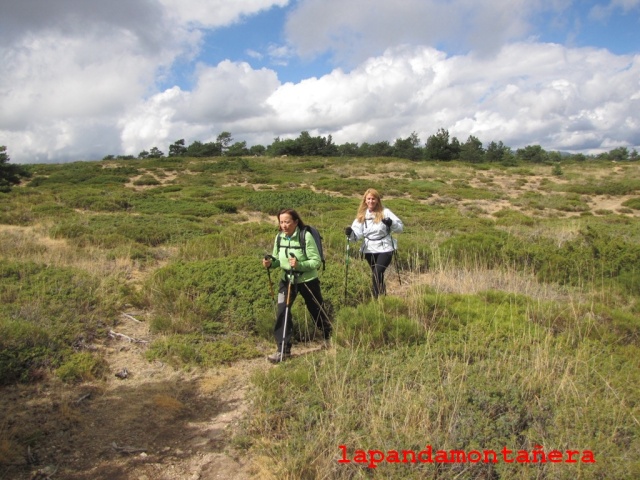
column 438, row 147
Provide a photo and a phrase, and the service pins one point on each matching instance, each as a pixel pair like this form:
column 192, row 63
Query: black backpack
column 303, row 241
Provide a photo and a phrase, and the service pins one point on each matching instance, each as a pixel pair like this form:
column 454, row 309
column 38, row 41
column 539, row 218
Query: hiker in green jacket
column 299, row 274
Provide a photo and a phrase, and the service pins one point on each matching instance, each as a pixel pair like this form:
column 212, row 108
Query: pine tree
column 9, row 174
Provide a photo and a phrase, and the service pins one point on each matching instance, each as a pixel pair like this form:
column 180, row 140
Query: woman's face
column 288, row 224
column 372, row 202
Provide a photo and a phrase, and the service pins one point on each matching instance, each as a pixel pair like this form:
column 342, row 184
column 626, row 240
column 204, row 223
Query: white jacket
column 377, row 237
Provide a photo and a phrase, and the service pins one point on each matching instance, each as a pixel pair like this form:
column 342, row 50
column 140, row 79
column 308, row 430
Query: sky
column 82, row 79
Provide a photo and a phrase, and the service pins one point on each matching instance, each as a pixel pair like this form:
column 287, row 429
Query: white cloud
column 602, row 12
column 51, row 76
column 528, row 92
column 357, row 29
column 625, row 5
column 279, row 54
column 217, row 13
column 223, row 95
column 254, row 54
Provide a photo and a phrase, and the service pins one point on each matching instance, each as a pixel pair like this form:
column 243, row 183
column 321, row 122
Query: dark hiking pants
column 312, row 295
column 378, row 263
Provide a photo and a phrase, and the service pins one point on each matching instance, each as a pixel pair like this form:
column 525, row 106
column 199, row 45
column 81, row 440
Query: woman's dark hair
column 293, row 215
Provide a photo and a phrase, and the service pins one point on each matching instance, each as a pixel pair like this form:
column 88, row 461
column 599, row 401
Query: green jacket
column 308, row 263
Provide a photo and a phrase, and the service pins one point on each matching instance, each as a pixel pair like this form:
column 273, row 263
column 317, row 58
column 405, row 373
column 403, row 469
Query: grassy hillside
column 512, row 321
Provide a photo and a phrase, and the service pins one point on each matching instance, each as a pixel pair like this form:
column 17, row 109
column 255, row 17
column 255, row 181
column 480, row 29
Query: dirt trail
column 156, row 424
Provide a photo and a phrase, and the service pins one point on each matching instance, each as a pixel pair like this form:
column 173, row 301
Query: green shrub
column 378, row 324
column 226, row 207
column 633, row 203
column 44, row 310
column 150, row 230
column 202, row 350
column 231, row 291
column 69, row 230
column 273, row 202
column 94, row 199
column 476, row 248
column 12, row 215
column 25, row 349
column 159, row 205
column 508, row 217
column 628, row 186
column 146, row 180
column 85, row 173
column 225, row 165
column 596, row 255
column 51, row 209
column 82, row 366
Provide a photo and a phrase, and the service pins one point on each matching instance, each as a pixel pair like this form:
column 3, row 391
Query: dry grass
column 32, row 243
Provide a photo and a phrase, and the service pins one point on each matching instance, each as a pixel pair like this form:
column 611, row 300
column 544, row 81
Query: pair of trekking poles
column 287, row 304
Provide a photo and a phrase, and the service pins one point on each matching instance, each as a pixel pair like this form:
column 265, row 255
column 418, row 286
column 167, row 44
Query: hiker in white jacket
column 375, row 224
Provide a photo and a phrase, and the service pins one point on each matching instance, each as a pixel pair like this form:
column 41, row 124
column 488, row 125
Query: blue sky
column 256, row 40
column 582, row 24
column 87, row 79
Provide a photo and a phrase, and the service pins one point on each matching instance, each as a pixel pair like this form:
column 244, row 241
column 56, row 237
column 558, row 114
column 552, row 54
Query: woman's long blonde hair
column 362, row 209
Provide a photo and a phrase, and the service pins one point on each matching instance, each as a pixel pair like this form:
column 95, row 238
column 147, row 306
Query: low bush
column 149, row 230
column 146, row 180
column 596, row 255
column 377, row 325
column 189, row 350
column 273, row 202
column 627, row 186
column 44, row 310
column 94, row 199
column 633, row 203
column 159, row 205
column 231, row 291
column 82, row 366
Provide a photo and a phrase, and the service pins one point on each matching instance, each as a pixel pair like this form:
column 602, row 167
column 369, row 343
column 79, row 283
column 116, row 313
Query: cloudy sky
column 82, row 79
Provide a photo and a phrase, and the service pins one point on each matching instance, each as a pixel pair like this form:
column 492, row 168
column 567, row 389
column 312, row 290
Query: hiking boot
column 279, row 357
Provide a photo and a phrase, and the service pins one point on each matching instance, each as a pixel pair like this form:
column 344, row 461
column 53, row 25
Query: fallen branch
column 127, row 450
column 126, row 315
column 113, row 334
column 82, row 398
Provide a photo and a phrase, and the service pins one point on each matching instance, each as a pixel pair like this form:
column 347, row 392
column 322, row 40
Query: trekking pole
column 346, row 270
column 395, row 256
column 286, row 313
column 273, row 296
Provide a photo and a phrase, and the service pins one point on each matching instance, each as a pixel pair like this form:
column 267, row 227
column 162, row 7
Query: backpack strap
column 367, row 238
column 301, row 240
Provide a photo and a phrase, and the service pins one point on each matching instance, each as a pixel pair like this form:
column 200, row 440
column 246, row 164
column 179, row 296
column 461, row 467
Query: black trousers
column 312, row 295
column 378, row 263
